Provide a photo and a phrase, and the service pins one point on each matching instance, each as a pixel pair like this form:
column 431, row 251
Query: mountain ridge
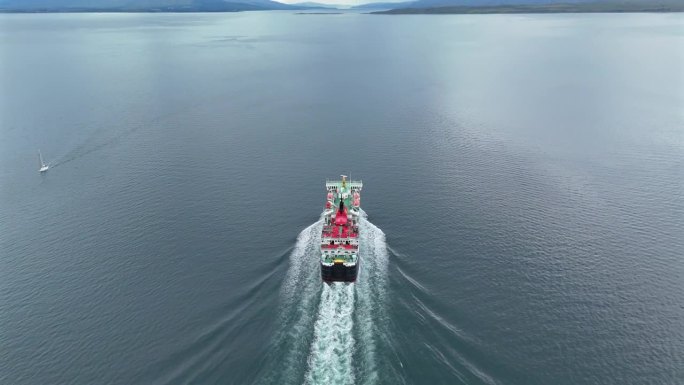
column 143, row 5
column 535, row 6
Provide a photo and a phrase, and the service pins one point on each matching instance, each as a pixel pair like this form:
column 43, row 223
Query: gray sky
column 341, row 2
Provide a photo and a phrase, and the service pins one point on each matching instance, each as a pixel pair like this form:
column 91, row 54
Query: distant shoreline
column 401, row 11
column 130, row 11
column 451, row 10
column 537, row 9
column 227, row 8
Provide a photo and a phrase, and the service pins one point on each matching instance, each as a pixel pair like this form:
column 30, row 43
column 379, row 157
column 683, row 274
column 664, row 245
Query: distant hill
column 142, row 5
column 535, row 6
column 312, row 5
column 485, row 3
column 462, row 3
column 370, row 6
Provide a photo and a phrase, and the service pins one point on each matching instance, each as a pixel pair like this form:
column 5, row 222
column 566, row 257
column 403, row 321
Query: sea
column 523, row 197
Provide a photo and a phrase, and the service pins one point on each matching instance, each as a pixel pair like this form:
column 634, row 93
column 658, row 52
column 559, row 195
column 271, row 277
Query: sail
column 42, row 167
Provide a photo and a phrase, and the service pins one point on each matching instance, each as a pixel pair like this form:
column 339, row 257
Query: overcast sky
column 341, row 2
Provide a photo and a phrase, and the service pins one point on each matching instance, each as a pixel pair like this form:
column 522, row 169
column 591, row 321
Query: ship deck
column 341, row 237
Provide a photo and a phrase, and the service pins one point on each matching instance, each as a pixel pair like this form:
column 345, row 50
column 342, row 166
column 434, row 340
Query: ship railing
column 347, row 247
column 352, row 184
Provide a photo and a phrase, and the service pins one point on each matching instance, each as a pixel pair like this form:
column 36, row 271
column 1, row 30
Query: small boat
column 43, row 166
column 340, row 236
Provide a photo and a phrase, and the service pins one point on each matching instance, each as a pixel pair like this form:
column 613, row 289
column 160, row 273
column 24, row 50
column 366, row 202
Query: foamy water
column 329, row 331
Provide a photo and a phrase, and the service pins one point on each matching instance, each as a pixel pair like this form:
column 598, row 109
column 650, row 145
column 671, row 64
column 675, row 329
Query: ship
column 340, row 234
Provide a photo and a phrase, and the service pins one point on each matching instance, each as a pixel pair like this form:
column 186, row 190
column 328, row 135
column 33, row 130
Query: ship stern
column 339, row 272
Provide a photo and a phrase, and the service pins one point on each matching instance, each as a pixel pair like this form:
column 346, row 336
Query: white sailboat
column 43, row 166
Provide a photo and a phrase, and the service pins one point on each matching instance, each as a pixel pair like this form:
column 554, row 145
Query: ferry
column 340, row 235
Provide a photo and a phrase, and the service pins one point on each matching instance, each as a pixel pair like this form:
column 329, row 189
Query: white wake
column 329, row 333
column 330, row 358
column 350, row 319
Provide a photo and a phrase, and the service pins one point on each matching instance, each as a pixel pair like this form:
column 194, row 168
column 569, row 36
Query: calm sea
column 523, row 185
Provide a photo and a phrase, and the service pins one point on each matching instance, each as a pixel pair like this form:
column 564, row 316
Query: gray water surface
column 523, row 182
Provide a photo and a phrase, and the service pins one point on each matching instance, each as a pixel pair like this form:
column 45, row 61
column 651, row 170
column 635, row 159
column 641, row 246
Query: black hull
column 339, row 273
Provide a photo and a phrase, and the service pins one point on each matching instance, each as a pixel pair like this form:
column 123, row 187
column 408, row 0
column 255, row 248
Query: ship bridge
column 337, row 185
